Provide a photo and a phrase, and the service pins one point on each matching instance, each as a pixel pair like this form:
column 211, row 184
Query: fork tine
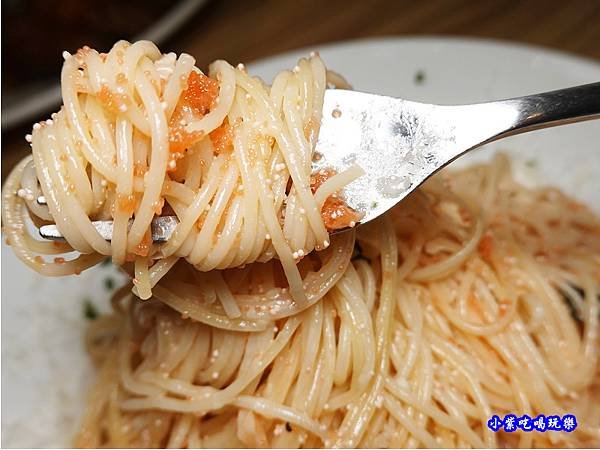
column 161, row 229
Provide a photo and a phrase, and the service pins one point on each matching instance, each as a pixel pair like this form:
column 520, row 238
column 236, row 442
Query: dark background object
column 31, row 71
column 244, row 30
column 35, row 32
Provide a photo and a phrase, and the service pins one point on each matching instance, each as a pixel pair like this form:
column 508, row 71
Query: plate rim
column 437, row 39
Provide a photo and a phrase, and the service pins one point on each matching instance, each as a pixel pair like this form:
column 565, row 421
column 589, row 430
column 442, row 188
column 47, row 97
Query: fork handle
column 553, row 108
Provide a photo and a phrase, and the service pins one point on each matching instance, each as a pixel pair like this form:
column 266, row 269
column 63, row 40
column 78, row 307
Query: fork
column 400, row 143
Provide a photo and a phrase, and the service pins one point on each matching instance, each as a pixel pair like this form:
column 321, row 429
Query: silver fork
column 400, row 143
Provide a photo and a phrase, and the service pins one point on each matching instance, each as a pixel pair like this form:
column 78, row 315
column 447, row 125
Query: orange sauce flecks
column 486, row 247
column 310, row 129
column 200, row 221
column 503, row 306
column 172, row 162
column 574, row 206
column 335, row 212
column 158, row 207
column 180, row 139
column 319, row 178
column 222, row 138
column 201, row 92
column 126, row 203
column 113, row 101
column 143, row 247
column 139, row 169
column 121, row 78
column 82, row 52
column 196, row 101
column 474, row 304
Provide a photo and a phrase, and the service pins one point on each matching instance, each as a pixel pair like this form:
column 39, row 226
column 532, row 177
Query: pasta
column 141, row 134
column 453, row 308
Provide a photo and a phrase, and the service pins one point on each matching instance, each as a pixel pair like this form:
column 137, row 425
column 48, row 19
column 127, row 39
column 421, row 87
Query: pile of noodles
column 142, row 134
column 473, row 297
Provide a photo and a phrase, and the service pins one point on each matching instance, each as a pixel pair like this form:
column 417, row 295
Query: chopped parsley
column 419, row 77
column 374, row 205
column 89, row 310
column 109, row 283
column 531, row 163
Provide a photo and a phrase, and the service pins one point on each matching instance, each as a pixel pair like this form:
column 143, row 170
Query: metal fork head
column 398, row 143
column 161, row 229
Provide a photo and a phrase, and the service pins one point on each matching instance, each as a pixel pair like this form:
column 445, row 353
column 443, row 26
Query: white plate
column 43, row 361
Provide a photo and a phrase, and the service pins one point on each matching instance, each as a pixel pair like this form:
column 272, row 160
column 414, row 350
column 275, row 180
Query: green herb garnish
column 419, row 77
column 531, row 163
column 89, row 310
column 109, row 283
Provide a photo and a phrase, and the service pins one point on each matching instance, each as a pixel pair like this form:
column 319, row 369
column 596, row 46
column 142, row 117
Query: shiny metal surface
column 162, row 228
column 399, row 143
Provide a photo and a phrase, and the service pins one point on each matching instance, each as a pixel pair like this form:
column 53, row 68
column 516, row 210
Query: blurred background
column 35, row 32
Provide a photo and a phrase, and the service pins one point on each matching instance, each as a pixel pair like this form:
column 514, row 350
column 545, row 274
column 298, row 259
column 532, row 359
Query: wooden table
column 239, row 30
